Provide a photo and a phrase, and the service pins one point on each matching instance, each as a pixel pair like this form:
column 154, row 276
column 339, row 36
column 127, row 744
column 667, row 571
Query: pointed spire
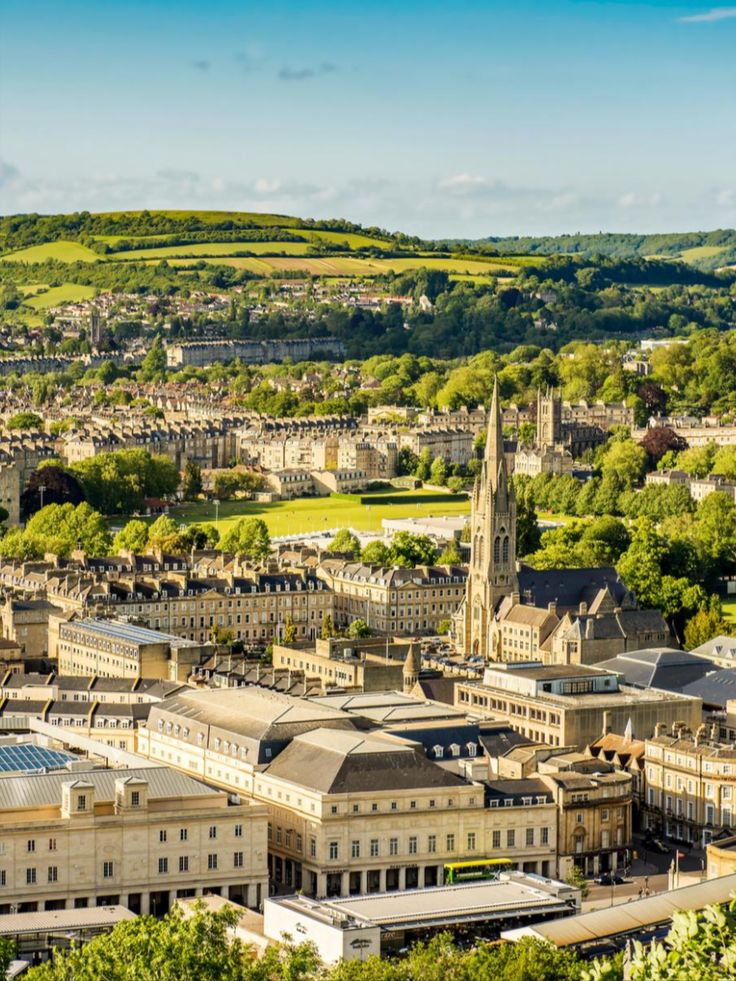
column 494, row 457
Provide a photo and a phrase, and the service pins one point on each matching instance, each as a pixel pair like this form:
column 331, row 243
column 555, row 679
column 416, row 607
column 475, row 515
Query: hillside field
column 53, row 296
column 63, row 251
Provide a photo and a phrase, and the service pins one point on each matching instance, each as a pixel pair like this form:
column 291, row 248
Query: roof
column 569, row 587
column 659, row 667
column 495, row 899
column 715, row 688
column 721, row 646
column 29, row 757
column 336, row 762
column 44, row 789
column 628, row 917
column 63, row 920
column 126, row 632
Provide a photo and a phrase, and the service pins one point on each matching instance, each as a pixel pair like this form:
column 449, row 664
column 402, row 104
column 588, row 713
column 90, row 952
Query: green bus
column 485, row 868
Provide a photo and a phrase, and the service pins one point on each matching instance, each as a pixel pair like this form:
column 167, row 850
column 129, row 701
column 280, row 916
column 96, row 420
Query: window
column 30, row 877
column 237, row 860
column 374, row 847
column 53, row 873
column 135, row 798
column 107, row 870
column 213, row 831
column 413, row 845
column 212, row 862
column 510, row 839
column 82, row 802
column 238, row 830
column 604, row 814
column 52, row 844
column 496, row 839
column 450, row 843
column 394, row 805
column 545, row 836
column 530, row 836
column 355, row 849
column 183, row 834
column 579, row 817
column 333, row 809
column 333, row 849
column 312, row 847
column 183, row 863
column 162, row 837
column 163, row 866
column 432, row 843
column 471, row 841
column 31, row 845
column 3, row 877
column 393, row 846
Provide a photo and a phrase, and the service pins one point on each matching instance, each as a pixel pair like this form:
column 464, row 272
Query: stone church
column 512, row 612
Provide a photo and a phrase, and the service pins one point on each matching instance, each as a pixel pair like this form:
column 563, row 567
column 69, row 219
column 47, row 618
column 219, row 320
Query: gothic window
column 497, row 549
column 506, row 548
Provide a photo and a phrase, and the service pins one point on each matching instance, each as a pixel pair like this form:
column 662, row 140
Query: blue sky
column 452, row 118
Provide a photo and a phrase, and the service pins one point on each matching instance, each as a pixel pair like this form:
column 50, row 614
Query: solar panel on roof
column 27, row 756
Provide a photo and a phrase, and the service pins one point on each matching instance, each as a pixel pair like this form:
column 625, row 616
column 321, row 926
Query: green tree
column 703, row 626
column 7, row 953
column 62, row 528
column 640, row 566
column 199, row 947
column 576, row 879
column 444, row 626
column 358, row 628
column 626, row 459
column 132, row 537
column 153, row 366
column 346, row 543
column 409, row 550
column 450, row 554
column 191, row 485
column 375, row 553
column 424, row 464
column 249, row 538
column 24, row 421
column 289, row 629
column 164, row 534
column 328, row 629
column 698, row 460
column 438, row 472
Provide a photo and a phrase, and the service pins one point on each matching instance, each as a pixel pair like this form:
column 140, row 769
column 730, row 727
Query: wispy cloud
column 201, row 65
column 709, row 16
column 290, row 74
column 249, row 58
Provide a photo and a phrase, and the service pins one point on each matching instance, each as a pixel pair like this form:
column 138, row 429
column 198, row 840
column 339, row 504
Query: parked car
column 656, row 845
column 610, row 879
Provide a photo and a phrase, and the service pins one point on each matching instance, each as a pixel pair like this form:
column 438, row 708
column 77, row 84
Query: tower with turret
column 549, row 419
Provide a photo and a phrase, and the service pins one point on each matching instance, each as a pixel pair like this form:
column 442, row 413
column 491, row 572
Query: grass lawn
column 66, row 293
column 63, row 251
column 700, row 252
column 309, row 514
column 729, row 609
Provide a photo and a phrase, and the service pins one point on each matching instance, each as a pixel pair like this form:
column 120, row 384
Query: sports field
column 308, row 514
column 729, row 610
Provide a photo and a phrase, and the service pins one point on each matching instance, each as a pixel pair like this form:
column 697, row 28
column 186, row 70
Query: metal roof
column 127, row 632
column 628, row 917
column 42, row 789
column 63, row 920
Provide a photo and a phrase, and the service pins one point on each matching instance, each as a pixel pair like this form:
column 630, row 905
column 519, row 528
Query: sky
column 462, row 118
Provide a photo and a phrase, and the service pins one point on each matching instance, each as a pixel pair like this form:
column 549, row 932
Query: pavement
column 649, row 870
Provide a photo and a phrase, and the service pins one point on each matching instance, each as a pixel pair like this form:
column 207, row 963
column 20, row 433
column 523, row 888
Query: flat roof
column 63, row 920
column 20, row 757
column 512, row 895
column 628, row 917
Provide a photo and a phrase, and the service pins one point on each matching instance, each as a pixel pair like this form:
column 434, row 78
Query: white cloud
column 632, row 199
column 709, row 16
column 469, row 184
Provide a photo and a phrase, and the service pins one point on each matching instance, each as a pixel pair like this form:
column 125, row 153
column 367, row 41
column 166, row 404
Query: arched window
column 506, row 549
column 497, row 549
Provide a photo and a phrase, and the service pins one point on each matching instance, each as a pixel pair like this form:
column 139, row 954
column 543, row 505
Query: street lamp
column 216, row 502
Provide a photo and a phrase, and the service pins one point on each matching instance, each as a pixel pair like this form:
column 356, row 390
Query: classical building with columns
column 141, row 838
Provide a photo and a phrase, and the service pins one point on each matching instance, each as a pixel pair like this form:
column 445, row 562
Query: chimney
column 552, row 607
column 660, row 729
column 700, row 734
column 583, row 609
column 515, row 598
column 606, row 723
column 714, row 732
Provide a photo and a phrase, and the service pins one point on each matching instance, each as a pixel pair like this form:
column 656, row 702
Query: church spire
column 494, row 456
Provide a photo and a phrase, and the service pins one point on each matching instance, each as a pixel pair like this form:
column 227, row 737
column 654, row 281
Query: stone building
column 137, row 837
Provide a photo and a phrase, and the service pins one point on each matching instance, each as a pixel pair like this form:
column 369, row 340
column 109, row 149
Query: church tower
column 549, row 419
column 492, row 573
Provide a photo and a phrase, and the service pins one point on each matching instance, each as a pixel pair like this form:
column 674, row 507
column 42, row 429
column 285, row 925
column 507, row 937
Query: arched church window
column 497, row 549
column 506, row 549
